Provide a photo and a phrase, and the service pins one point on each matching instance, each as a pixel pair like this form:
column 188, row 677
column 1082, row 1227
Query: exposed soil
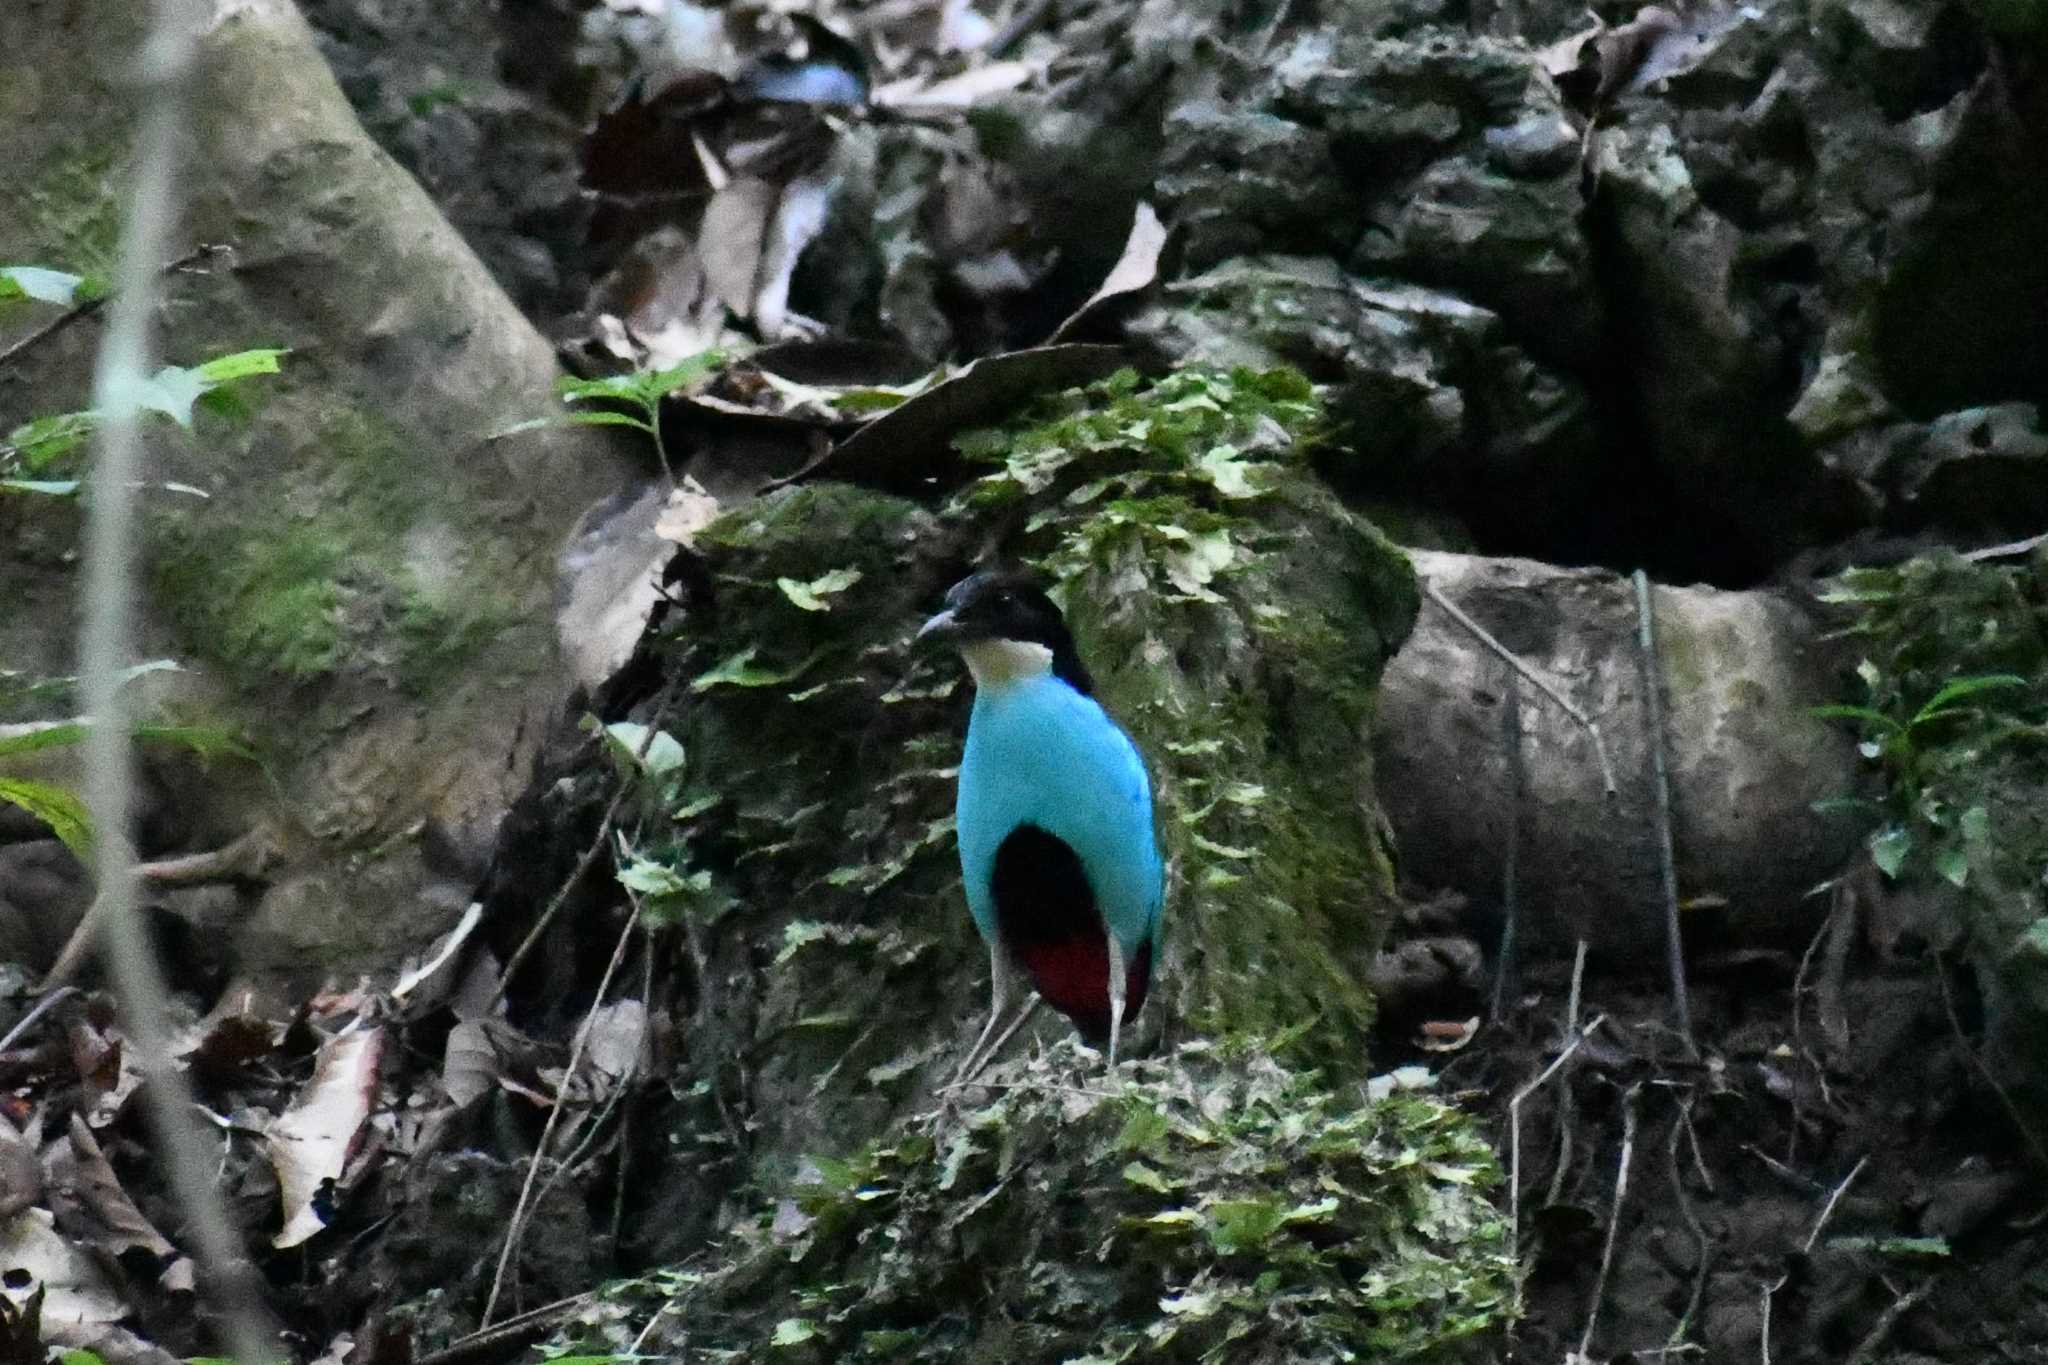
column 1832, row 1179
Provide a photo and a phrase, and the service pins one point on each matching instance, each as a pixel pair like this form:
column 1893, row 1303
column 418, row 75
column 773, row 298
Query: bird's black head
column 994, row 607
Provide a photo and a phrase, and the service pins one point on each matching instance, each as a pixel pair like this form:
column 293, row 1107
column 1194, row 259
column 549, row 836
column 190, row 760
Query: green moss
column 72, row 205
column 377, row 583
column 1210, row 1205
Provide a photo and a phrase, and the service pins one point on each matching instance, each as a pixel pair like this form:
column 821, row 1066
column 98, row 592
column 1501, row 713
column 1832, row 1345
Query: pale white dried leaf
column 310, row 1142
column 958, row 92
column 689, row 509
column 74, row 1290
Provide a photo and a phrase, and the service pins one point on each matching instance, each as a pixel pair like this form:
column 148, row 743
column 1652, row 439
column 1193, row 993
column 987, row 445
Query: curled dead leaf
column 311, row 1142
column 94, row 1211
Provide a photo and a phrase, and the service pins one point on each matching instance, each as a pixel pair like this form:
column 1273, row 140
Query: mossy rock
column 1236, row 618
column 1209, row 1205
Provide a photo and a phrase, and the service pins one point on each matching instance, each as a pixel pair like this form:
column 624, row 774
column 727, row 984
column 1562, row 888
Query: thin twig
column 1515, row 1126
column 1631, row 1103
column 647, row 1331
column 81, row 311
column 1511, row 746
column 1828, row 1209
column 1585, row 722
column 28, row 1020
column 2012, row 1110
column 2012, row 547
column 1703, row 1248
column 1567, row 1103
column 163, row 73
column 1660, row 787
column 627, row 782
column 1035, row 1087
column 246, row 859
column 540, row 1151
column 508, row 1336
column 1792, row 1178
column 1764, row 1340
column 1874, row 1340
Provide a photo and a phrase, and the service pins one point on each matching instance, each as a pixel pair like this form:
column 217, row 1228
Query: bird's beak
column 939, row 630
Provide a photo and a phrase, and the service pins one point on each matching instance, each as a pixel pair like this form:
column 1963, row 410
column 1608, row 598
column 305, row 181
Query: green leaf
column 55, row 735
column 646, row 388
column 172, row 391
column 1959, row 688
column 738, row 671
column 811, row 596
column 1888, row 849
column 1975, row 825
column 208, row 741
column 44, row 286
column 47, row 439
column 1893, row 1246
column 1241, row 1225
column 793, row 1332
column 241, row 364
column 607, row 418
column 651, row 878
column 664, row 754
column 64, row 813
column 1144, row 1177
column 1952, row 863
column 1862, row 714
column 2034, row 938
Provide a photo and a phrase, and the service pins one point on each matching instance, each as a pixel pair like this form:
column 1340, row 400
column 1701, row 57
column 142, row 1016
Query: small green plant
column 60, row 808
column 1956, row 680
column 41, row 455
column 627, row 400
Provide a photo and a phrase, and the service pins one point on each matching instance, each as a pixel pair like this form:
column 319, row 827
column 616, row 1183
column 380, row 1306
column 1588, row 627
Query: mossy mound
column 1236, row 618
column 1211, row 1205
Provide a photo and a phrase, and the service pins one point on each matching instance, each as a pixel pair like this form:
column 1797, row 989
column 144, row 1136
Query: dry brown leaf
column 469, row 1064
column 1447, row 1035
column 90, row 1204
column 617, row 1047
column 311, row 1142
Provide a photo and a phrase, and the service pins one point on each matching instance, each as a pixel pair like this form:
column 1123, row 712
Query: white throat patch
column 995, row 663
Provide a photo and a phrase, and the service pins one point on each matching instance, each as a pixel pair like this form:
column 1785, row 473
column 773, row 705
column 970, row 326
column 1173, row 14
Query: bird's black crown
column 996, row 605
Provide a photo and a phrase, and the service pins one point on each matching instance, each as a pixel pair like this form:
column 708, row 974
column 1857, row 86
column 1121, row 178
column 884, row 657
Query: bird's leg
column 1118, row 983
column 998, row 994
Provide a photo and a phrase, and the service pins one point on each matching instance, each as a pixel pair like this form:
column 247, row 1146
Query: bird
column 1058, row 847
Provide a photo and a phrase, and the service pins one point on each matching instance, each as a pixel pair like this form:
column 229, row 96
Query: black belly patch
column 1040, row 891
